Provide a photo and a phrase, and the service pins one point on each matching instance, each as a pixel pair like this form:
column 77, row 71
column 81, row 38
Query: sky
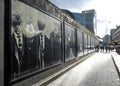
column 108, row 13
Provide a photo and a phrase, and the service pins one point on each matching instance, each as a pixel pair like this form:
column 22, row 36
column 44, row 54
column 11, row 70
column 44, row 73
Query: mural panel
column 69, row 42
column 89, row 45
column 85, row 43
column 79, row 43
column 92, row 44
column 35, row 40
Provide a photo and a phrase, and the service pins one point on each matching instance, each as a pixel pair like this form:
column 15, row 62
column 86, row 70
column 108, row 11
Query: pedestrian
column 102, row 48
column 106, row 48
column 97, row 48
column 109, row 48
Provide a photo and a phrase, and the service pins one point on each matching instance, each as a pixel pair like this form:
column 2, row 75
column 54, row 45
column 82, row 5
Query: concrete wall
column 1, row 40
column 48, row 7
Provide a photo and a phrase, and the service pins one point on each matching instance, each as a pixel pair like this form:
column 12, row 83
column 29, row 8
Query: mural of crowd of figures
column 79, row 43
column 92, row 43
column 35, row 40
column 89, row 43
column 85, row 43
column 69, row 42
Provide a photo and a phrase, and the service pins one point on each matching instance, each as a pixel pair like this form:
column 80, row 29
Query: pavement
column 116, row 59
column 100, row 69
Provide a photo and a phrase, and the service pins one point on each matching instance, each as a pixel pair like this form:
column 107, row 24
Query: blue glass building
column 87, row 18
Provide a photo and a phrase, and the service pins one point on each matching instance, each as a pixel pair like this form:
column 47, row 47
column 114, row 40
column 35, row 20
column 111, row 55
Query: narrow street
column 98, row 70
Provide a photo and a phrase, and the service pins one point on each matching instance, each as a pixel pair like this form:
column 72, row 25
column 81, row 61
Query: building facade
column 116, row 36
column 112, row 31
column 88, row 19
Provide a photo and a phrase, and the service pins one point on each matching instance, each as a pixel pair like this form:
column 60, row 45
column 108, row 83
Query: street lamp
column 106, row 26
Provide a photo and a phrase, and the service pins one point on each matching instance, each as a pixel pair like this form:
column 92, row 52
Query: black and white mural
column 69, row 42
column 92, row 44
column 85, row 43
column 89, row 44
column 79, row 43
column 35, row 40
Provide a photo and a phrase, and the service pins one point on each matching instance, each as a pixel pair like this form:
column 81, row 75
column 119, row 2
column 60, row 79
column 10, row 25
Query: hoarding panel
column 69, row 42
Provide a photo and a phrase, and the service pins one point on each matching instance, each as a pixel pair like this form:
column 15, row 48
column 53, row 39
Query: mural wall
column 35, row 40
column 40, row 41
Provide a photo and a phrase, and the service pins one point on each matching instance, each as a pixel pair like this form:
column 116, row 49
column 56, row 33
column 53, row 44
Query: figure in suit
column 17, row 49
column 55, row 38
column 41, row 27
column 31, row 46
